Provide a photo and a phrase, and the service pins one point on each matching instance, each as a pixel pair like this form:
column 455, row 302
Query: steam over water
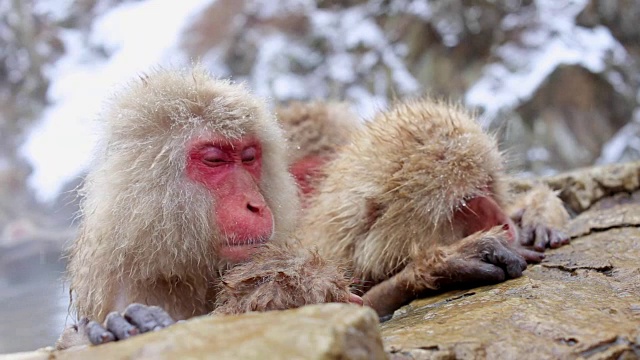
column 33, row 302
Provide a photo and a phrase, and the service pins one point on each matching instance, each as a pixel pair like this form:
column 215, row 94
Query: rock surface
column 328, row 331
column 581, row 188
column 582, row 301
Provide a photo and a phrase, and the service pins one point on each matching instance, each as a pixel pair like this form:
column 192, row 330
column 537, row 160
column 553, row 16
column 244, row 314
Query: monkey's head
column 315, row 131
column 421, row 169
column 444, row 167
column 194, row 174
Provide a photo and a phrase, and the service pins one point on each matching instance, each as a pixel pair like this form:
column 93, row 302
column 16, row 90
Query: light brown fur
column 146, row 230
column 539, row 205
column 388, row 198
column 316, row 128
column 282, row 277
column 315, row 132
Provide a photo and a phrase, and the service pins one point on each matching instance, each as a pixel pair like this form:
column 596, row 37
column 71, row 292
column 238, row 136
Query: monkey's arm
column 541, row 217
column 484, row 257
column 282, row 277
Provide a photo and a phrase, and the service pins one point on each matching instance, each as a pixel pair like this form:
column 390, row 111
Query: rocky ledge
column 581, row 302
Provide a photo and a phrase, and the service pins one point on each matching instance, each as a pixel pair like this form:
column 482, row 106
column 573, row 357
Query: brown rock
column 581, row 188
column 327, row 331
column 582, row 301
column 42, row 354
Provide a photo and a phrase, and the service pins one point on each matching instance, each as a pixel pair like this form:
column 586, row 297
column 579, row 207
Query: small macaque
column 192, row 180
column 417, row 203
column 315, row 131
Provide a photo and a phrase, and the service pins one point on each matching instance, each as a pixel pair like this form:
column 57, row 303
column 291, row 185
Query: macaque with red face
column 192, row 180
column 417, row 203
column 315, row 131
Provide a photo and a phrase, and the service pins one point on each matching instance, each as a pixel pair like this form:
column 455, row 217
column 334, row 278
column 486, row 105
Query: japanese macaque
column 192, row 179
column 315, row 132
column 417, row 203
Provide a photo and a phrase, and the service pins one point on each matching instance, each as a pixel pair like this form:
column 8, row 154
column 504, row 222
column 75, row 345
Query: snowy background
column 558, row 81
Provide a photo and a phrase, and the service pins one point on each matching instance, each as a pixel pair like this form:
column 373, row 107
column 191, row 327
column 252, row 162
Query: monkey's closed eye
column 249, row 154
column 214, row 156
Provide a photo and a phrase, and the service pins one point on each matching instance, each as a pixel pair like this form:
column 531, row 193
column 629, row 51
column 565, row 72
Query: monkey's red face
column 481, row 213
column 306, row 170
column 231, row 171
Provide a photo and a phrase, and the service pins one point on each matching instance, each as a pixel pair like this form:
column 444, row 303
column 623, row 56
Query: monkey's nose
column 256, row 208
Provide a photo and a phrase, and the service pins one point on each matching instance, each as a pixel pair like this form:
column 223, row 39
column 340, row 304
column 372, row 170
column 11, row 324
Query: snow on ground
column 61, row 144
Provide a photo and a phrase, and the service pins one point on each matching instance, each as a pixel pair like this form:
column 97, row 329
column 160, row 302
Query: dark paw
column 136, row 319
column 541, row 237
column 483, row 259
column 499, row 254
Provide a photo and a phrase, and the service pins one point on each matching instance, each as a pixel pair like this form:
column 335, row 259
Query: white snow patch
column 341, row 68
column 627, row 137
column 554, row 42
column 362, row 30
column 57, row 10
column 266, row 9
column 288, row 87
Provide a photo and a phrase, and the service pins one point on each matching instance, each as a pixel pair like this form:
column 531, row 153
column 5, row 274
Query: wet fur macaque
column 315, row 131
column 417, row 202
column 153, row 226
column 192, row 179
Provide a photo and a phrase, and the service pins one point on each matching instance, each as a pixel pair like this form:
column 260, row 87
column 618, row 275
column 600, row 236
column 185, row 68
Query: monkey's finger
column 509, row 260
column 163, row 319
column 355, row 299
column 141, row 317
column 557, row 239
column 526, row 236
column 517, row 216
column 530, row 256
column 542, row 238
column 120, row 327
column 486, row 273
column 98, row 334
column 465, row 270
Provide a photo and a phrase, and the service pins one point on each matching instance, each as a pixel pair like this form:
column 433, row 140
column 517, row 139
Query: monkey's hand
column 540, row 215
column 540, row 236
column 481, row 258
column 282, row 277
column 484, row 257
column 136, row 319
